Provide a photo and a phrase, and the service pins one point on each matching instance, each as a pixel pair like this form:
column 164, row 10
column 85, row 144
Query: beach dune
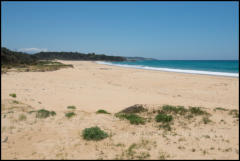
column 89, row 87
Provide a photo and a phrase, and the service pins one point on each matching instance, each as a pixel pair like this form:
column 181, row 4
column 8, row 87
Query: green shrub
column 234, row 113
column 94, row 133
column 70, row 114
column 44, row 113
column 174, row 109
column 13, row 95
column 133, row 118
column 52, row 113
column 197, row 111
column 16, row 102
column 220, row 108
column 71, row 107
column 102, row 111
column 163, row 118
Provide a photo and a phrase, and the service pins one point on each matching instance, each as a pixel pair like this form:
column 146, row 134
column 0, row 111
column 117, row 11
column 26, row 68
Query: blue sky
column 163, row 30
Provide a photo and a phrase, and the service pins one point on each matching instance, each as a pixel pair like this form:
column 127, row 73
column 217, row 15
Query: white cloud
column 31, row 50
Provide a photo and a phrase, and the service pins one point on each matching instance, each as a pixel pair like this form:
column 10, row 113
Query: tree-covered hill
column 77, row 56
column 9, row 57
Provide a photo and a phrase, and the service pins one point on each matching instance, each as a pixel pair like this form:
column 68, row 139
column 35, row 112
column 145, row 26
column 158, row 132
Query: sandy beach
column 90, row 86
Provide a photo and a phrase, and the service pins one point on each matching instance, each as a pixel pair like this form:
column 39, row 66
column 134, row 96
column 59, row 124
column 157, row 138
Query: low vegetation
column 102, row 112
column 70, row 114
column 167, row 113
column 234, row 113
column 133, row 118
column 44, row 113
column 161, row 117
column 220, row 108
column 13, row 95
column 174, row 109
column 181, row 110
column 197, row 111
column 16, row 102
column 71, row 107
column 94, row 133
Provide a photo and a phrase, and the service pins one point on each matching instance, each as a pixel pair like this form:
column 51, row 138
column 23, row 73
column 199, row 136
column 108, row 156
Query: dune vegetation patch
column 102, row 112
column 137, row 151
column 44, row 113
column 13, row 95
column 161, row 117
column 43, row 66
column 71, row 107
column 234, row 113
column 133, row 118
column 38, row 66
column 197, row 111
column 168, row 113
column 94, row 133
column 221, row 109
column 16, row 102
column 174, row 109
column 70, row 114
column 182, row 111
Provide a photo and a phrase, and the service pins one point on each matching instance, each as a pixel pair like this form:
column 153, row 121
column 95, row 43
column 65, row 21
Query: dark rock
column 134, row 109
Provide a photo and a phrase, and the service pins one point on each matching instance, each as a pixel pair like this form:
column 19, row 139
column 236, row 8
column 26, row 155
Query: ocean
column 208, row 67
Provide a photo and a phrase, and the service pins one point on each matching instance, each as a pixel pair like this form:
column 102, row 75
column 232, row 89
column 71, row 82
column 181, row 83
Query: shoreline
column 198, row 72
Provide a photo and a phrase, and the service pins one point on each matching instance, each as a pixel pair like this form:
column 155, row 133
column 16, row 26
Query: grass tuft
column 234, row 113
column 197, row 111
column 71, row 107
column 220, row 108
column 44, row 113
column 94, row 133
column 16, row 102
column 161, row 117
column 102, row 111
column 70, row 114
column 133, row 118
column 174, row 109
column 13, row 95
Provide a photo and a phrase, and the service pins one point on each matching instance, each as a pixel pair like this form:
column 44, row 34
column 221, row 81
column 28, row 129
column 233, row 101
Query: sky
column 161, row 30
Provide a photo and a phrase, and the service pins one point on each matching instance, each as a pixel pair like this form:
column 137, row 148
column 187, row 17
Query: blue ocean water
column 210, row 67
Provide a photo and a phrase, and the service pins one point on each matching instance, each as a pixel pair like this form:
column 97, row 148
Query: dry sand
column 89, row 87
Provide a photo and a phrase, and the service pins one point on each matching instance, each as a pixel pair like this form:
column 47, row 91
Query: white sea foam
column 173, row 70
